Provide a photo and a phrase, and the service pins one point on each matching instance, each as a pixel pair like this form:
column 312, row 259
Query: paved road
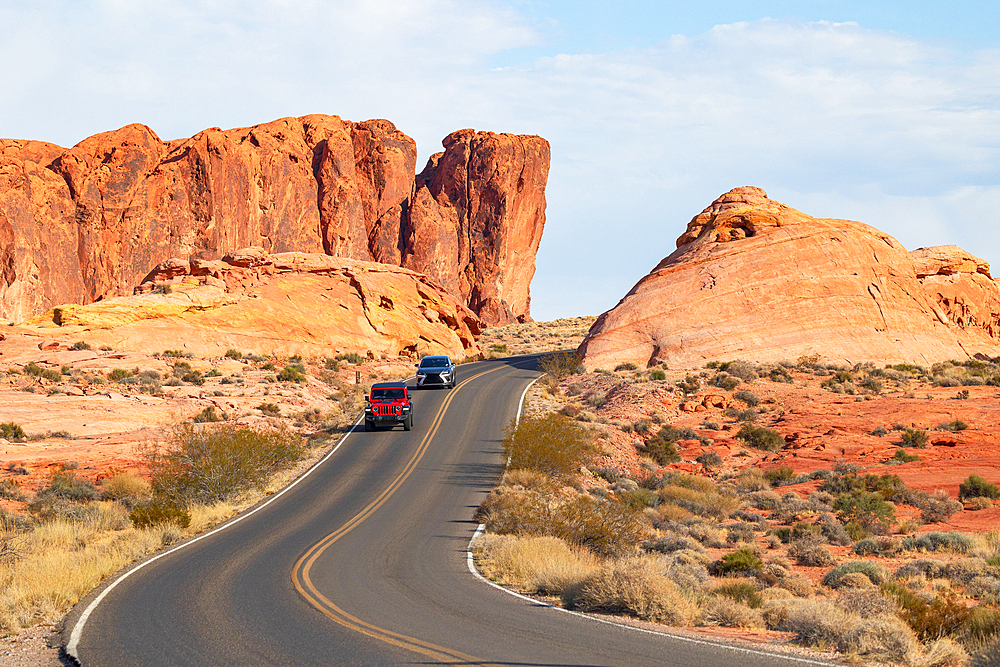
column 363, row 563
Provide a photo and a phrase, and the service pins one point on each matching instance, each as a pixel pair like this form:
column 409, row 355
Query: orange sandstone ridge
column 754, row 278
column 87, row 223
column 309, row 304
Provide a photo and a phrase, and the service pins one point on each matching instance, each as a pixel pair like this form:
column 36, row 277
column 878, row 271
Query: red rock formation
column 476, row 220
column 287, row 303
column 961, row 286
column 90, row 222
column 754, row 278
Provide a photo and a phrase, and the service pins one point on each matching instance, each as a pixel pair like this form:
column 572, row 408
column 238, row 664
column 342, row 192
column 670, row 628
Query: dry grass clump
column 729, row 613
column 630, row 587
column 883, row 638
column 126, row 487
column 539, row 564
column 944, row 652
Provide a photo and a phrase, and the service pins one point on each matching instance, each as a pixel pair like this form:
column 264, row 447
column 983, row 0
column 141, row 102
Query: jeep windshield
column 391, row 393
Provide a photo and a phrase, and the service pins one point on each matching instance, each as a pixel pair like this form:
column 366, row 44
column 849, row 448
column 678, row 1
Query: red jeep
column 389, row 403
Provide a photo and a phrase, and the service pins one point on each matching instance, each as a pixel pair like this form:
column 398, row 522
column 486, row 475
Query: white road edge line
column 74, row 637
column 736, row 649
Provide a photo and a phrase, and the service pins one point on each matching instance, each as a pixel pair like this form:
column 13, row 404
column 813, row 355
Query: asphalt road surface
column 364, row 563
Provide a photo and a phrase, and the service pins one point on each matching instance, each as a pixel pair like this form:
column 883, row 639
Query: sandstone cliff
column 90, row 222
column 285, row 303
column 756, row 279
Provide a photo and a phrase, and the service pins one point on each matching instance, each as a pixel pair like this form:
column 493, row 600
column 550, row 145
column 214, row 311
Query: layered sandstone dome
column 756, row 279
column 82, row 224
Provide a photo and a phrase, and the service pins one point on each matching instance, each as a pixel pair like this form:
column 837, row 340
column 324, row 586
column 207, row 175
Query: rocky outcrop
column 90, row 222
column 285, row 303
column 961, row 286
column 476, row 220
column 756, row 279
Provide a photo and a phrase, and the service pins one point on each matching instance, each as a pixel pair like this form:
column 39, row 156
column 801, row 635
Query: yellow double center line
column 301, row 571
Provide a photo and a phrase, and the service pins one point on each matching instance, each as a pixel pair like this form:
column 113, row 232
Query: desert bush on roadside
column 932, row 619
column 937, row 540
column 541, row 564
column 629, row 587
column 981, row 627
column 944, row 652
column 724, row 611
column 745, row 592
column 560, row 365
column 868, row 511
column 866, row 602
column 975, row 486
column 218, row 462
column 938, row 507
column 553, row 444
column 759, row 437
column 155, row 512
column 128, row 488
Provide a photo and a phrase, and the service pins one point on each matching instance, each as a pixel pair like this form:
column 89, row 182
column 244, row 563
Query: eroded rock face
column 476, row 220
column 756, row 279
column 91, row 222
column 285, row 303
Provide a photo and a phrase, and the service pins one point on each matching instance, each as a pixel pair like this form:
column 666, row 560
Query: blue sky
column 888, row 113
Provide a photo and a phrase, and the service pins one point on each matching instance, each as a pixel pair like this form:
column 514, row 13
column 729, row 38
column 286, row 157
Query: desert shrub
column 940, row 541
column 975, row 486
column 689, row 384
column 938, row 507
column 866, row 510
column 724, row 381
column 866, row 602
column 764, row 500
column 780, row 475
column 707, row 534
column 980, row 503
column 748, row 397
column 560, row 365
column 543, row 564
column 270, row 409
column 819, row 623
column 125, row 487
column 740, row 532
column 597, row 398
column 779, row 374
column 886, row 485
column 158, row 511
column 872, row 384
column 672, row 541
column 812, row 555
column 662, row 451
column 797, row 586
column 351, row 358
column 553, row 444
column 752, row 479
column 954, row 425
column 944, row 652
column 875, row 572
column 629, row 587
column 208, row 415
column 884, row 638
column 626, row 366
column 932, row 619
column 913, row 438
column 292, row 373
column 80, row 345
column 744, row 370
column 927, row 567
column 657, row 375
column 234, row 354
column 726, row 612
column 119, row 374
column 879, row 431
column 834, row 531
column 903, row 457
column 759, row 437
column 210, row 464
column 875, row 546
column 981, row 627
column 710, row 460
column 65, row 484
column 965, row 570
column 741, row 561
column 12, row 431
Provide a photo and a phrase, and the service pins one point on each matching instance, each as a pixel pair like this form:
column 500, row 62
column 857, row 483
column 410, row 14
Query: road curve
column 363, row 562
